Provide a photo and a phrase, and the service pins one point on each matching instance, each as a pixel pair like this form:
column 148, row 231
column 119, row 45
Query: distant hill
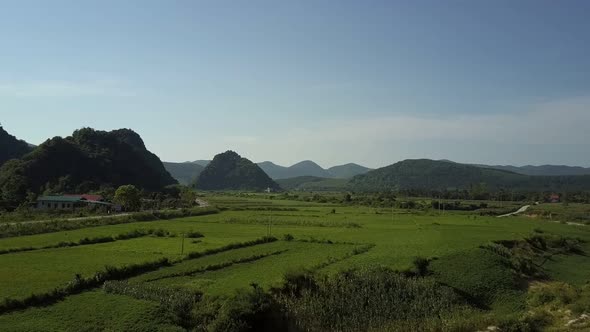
column 313, row 183
column 229, row 171
column 275, row 171
column 202, row 162
column 347, row 171
column 11, row 147
column 87, row 160
column 310, row 168
column 543, row 170
column 184, row 173
column 445, row 175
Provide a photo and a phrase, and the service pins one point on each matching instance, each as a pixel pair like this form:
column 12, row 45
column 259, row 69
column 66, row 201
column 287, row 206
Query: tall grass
column 360, row 300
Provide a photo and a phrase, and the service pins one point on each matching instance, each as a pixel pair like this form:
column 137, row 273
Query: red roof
column 87, row 197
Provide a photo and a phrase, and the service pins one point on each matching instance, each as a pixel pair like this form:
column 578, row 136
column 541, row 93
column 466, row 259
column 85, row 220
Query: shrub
column 193, row 235
column 288, row 237
column 421, row 266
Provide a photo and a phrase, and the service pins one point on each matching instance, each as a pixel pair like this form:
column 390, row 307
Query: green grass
column 398, row 237
column 90, row 311
column 294, row 256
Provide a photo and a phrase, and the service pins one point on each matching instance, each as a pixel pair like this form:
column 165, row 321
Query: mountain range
column 303, row 168
column 446, row 175
column 543, row 170
column 90, row 159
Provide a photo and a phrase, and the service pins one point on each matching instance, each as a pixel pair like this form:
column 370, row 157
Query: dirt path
column 68, row 219
column 201, row 203
column 519, row 211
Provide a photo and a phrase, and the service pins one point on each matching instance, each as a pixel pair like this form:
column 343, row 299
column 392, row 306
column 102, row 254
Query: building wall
column 54, row 205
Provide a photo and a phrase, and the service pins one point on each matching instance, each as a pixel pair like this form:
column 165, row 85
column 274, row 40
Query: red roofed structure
column 88, row 197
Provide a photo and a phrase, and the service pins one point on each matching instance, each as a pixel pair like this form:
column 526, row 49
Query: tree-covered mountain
column 310, row 168
column 347, row 170
column 87, row 160
column 446, row 175
column 543, row 170
column 184, row 173
column 229, row 171
column 11, row 147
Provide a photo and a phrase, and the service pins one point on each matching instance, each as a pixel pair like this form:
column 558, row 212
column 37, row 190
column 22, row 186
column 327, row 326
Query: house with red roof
column 71, row 202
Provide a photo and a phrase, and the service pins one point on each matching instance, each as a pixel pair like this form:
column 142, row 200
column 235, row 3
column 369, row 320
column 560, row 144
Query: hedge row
column 31, row 228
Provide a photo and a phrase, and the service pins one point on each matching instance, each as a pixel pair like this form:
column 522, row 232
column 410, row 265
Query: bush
column 421, row 266
column 193, row 235
column 288, row 237
column 177, row 303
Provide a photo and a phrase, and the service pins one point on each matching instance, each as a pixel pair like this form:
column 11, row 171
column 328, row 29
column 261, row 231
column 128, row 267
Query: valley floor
column 218, row 254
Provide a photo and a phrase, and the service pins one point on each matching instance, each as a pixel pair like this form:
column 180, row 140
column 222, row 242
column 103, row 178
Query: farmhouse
column 554, row 198
column 71, row 202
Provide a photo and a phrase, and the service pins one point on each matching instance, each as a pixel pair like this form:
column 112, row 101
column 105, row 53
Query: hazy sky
column 372, row 82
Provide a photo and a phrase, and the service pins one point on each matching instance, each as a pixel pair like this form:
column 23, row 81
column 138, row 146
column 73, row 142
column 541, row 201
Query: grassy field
column 324, row 238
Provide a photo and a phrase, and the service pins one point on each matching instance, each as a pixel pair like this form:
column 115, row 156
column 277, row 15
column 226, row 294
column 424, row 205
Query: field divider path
column 217, row 267
column 85, row 241
column 519, row 211
column 80, row 284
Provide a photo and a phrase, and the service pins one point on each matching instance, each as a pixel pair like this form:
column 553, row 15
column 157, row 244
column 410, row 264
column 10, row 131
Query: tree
column 188, row 196
column 128, row 196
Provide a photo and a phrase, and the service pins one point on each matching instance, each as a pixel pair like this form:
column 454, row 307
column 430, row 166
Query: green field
column 324, row 238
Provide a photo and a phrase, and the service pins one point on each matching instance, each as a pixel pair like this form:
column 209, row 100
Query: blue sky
column 372, row 82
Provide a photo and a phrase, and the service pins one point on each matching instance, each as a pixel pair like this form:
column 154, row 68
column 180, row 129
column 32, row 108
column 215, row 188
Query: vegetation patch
column 20, row 229
column 287, row 222
column 365, row 299
column 95, row 240
column 80, row 284
column 219, row 266
column 231, row 246
column 175, row 303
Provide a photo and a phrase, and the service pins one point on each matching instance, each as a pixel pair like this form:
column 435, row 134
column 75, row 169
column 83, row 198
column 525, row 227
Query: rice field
column 323, row 238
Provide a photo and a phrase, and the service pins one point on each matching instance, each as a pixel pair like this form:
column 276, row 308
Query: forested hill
column 446, row 175
column 11, row 147
column 87, row 160
column 543, row 170
column 229, row 171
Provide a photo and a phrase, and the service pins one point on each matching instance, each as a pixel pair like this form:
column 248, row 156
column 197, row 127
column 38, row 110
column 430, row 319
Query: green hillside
column 87, row 160
column 11, row 147
column 229, row 171
column 446, row 175
column 347, row 170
